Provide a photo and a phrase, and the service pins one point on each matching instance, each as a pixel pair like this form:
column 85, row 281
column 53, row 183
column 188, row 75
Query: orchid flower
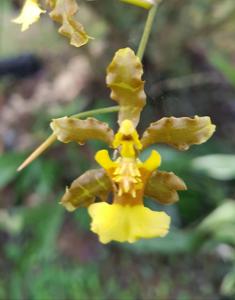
column 126, row 176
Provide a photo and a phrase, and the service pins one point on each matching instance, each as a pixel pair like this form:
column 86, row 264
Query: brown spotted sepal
column 127, row 88
column 86, row 189
column 69, row 129
column 63, row 12
column 164, row 186
column 179, row 133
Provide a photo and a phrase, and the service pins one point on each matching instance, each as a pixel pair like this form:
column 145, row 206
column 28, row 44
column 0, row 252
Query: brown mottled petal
column 124, row 79
column 163, row 187
column 63, row 12
column 180, row 133
column 86, row 188
column 69, row 129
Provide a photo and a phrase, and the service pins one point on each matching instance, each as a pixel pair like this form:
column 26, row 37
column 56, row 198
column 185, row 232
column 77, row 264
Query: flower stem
column 52, row 138
column 47, row 143
column 147, row 30
column 98, row 111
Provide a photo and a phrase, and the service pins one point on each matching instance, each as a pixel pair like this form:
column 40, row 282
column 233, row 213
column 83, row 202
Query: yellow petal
column 30, row 13
column 127, row 223
column 104, row 160
column 153, row 162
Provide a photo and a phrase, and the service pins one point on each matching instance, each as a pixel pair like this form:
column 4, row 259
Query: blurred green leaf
column 40, row 177
column 220, row 223
column 224, row 65
column 175, row 242
column 82, row 218
column 11, row 223
column 44, row 223
column 217, row 166
column 41, row 227
column 224, row 214
column 8, row 165
column 228, row 284
column 3, row 289
column 64, row 283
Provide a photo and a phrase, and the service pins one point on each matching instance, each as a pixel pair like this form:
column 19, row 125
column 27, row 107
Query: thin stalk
column 97, row 111
column 47, row 143
column 147, row 30
column 52, row 138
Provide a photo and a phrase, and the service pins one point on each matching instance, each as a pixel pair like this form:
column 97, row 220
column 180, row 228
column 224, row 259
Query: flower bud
column 147, row 4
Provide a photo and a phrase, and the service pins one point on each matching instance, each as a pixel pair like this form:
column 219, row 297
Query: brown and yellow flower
column 125, row 176
column 61, row 11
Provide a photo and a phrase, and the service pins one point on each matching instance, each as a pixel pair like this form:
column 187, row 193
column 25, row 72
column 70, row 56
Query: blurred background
column 48, row 253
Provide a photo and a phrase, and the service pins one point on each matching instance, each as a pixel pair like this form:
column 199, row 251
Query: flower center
column 127, row 172
column 127, row 176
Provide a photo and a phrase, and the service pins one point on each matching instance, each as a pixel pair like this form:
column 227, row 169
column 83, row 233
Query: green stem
column 52, row 138
column 98, row 111
column 147, row 30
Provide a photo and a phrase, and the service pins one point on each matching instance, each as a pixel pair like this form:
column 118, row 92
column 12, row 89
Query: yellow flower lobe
column 127, row 223
column 30, row 14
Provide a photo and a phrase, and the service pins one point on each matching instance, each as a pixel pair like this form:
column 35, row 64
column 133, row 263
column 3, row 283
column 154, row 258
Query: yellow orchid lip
column 115, row 222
